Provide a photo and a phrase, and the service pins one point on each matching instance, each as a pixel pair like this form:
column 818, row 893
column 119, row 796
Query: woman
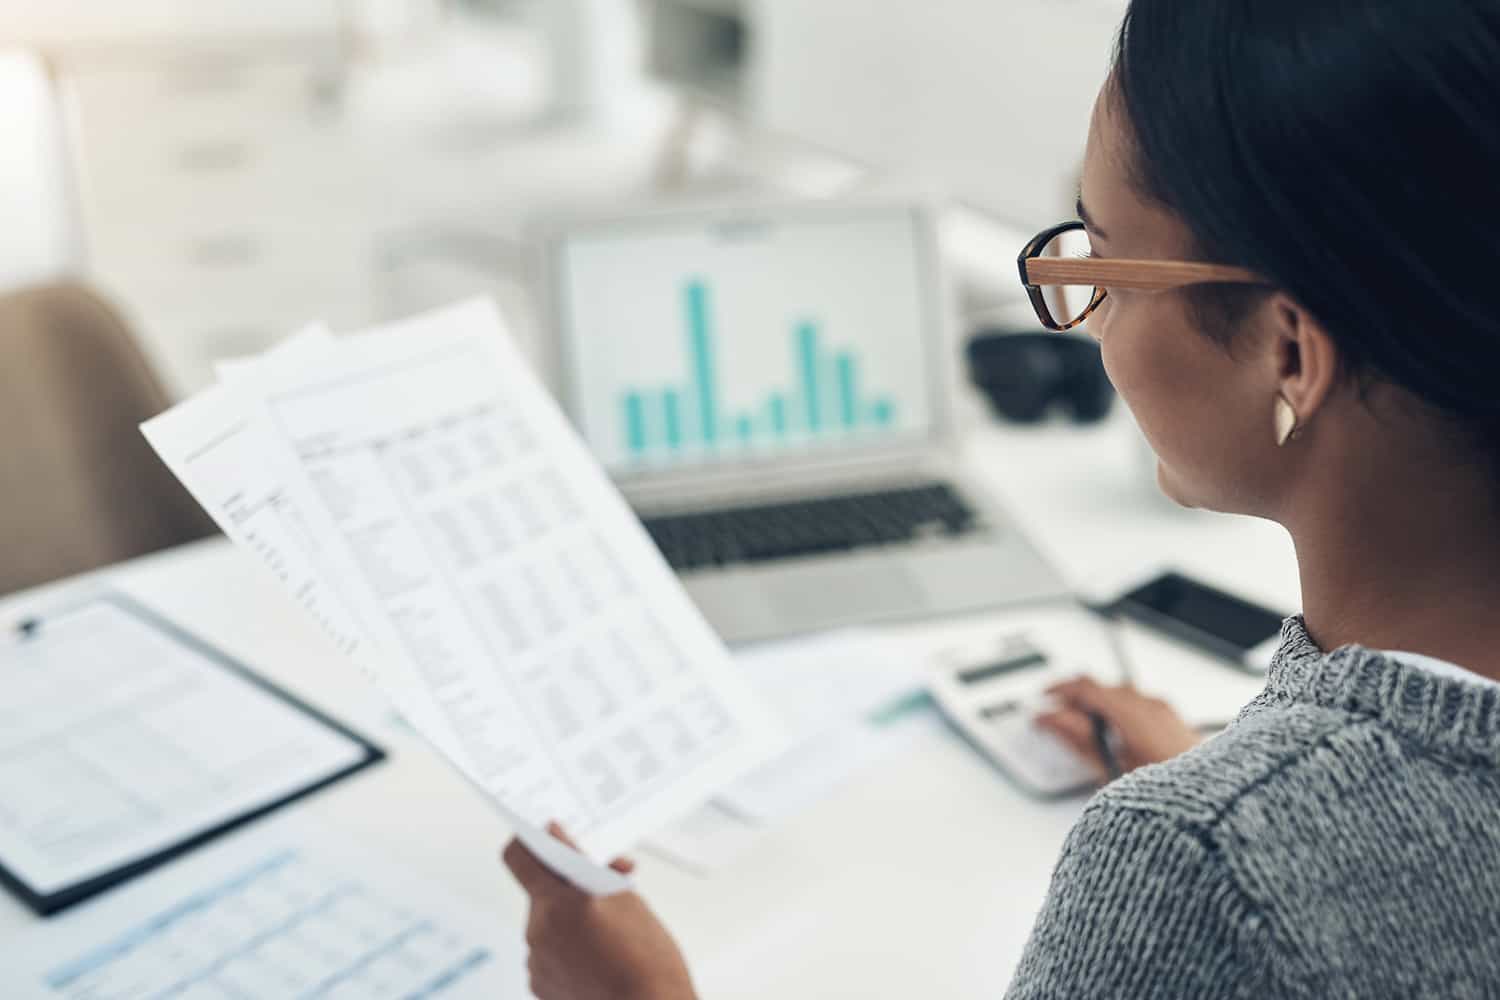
column 1331, row 361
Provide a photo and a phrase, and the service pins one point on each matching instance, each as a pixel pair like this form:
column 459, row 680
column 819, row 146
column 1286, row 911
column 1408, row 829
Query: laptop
column 772, row 388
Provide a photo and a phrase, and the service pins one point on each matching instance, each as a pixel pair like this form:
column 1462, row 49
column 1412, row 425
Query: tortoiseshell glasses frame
column 1039, row 271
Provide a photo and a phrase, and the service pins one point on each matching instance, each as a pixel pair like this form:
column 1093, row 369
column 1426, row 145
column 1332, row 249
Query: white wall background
column 87, row 22
column 37, row 239
column 985, row 99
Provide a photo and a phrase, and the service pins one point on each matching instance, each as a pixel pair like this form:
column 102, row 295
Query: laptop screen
column 704, row 341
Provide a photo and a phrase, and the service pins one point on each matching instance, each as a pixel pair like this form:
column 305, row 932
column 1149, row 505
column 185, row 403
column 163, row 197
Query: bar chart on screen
column 699, row 342
column 823, row 394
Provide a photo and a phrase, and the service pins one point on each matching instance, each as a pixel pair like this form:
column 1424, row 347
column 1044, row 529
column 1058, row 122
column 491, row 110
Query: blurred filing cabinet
column 228, row 193
column 221, row 202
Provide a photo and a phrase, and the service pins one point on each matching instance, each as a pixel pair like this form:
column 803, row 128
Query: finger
column 1087, row 695
column 1075, row 729
column 555, row 828
column 536, row 878
column 1080, row 686
column 622, row 865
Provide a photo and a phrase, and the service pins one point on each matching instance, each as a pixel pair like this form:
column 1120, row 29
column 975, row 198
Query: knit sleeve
column 1142, row 906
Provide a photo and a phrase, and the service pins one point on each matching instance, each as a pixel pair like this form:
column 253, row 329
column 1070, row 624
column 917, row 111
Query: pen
column 1105, row 746
column 1112, row 636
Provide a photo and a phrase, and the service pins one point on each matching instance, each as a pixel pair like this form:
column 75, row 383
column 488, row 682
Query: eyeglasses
column 1058, row 261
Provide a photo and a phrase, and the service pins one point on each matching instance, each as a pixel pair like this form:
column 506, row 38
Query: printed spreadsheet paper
column 500, row 591
column 117, row 742
column 228, row 458
column 282, row 909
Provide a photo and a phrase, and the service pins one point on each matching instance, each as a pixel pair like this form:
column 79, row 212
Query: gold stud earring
column 1286, row 420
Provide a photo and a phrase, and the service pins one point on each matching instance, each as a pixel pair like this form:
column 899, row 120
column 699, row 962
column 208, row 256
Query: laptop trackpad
column 815, row 594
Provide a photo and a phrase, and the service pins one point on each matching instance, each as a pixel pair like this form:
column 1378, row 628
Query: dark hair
column 1348, row 150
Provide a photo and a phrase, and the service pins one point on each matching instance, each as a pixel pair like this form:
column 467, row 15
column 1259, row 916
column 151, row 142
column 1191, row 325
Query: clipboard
column 126, row 741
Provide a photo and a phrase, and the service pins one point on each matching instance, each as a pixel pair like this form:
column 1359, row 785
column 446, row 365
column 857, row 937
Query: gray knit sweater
column 1341, row 839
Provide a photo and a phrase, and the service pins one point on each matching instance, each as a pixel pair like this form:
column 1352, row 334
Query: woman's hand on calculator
column 1146, row 730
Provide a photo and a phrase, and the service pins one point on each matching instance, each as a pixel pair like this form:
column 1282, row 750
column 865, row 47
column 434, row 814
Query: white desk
column 920, row 878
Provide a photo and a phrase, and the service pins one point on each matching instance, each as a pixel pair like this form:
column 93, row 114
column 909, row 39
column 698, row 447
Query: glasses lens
column 1068, row 302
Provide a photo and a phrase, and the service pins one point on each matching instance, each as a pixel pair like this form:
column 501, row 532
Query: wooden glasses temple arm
column 1147, row 275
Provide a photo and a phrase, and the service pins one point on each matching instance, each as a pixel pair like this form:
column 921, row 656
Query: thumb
column 536, row 878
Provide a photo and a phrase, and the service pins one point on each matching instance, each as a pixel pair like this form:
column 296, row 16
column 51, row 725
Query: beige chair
column 79, row 486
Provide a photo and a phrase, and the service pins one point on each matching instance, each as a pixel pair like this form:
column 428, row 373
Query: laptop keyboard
column 810, row 527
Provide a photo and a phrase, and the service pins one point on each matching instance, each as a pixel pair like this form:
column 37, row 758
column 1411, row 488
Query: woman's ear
column 1306, row 359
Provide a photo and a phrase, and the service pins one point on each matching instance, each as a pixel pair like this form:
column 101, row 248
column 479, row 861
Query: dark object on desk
column 1025, row 375
column 1104, row 745
column 1220, row 623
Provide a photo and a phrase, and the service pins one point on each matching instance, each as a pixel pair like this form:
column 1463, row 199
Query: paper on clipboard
column 121, row 739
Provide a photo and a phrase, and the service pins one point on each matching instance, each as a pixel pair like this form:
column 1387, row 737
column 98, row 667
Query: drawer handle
column 213, row 156
column 204, row 80
column 224, row 251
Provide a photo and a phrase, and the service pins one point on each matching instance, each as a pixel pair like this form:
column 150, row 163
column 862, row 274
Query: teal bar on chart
column 776, row 407
column 807, row 360
column 701, row 350
column 744, row 427
column 671, row 405
column 635, row 423
column 882, row 413
column 843, row 365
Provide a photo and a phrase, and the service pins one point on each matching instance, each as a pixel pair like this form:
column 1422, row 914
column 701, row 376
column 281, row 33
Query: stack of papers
column 419, row 493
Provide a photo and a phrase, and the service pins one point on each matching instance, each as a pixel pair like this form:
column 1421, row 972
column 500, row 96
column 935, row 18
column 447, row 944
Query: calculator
column 993, row 689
